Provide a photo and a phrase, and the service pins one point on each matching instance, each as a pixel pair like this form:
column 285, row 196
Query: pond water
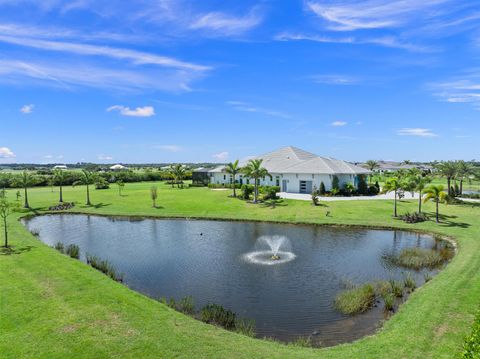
column 229, row 263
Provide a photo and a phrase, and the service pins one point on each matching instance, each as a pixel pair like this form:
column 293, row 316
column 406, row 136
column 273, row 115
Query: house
column 391, row 166
column 295, row 171
column 60, row 167
column 118, row 168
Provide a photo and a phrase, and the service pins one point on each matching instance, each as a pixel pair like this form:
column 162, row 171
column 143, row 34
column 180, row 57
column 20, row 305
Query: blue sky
column 178, row 80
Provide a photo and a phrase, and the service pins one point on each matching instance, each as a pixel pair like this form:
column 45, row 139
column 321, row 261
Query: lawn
column 52, row 306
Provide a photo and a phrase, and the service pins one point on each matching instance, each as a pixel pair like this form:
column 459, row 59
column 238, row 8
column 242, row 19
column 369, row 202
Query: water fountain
column 271, row 250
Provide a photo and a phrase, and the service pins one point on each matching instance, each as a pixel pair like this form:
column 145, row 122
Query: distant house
column 295, row 171
column 391, row 166
column 60, row 167
column 117, row 167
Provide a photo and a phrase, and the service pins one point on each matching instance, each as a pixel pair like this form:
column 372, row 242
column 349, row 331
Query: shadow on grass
column 273, row 203
column 448, row 221
column 14, row 250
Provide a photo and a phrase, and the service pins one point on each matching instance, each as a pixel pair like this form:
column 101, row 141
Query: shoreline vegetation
column 27, row 266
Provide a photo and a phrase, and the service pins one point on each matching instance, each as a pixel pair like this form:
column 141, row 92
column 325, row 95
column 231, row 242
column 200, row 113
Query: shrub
column 335, row 183
column 245, row 327
column 269, row 192
column 73, row 251
column 356, row 300
column 186, row 305
column 335, row 192
column 247, row 191
column 105, row 267
column 216, row 314
column 322, row 189
column 373, row 190
column 414, row 217
column 314, row 197
column 362, row 185
column 102, row 183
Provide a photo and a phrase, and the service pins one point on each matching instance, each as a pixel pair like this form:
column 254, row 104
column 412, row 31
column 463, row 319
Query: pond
column 229, row 263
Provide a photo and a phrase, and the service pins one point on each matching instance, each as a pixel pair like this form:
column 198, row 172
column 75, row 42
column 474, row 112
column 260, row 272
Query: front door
column 284, row 185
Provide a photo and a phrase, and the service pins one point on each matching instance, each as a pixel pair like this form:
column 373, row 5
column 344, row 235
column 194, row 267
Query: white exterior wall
column 293, row 180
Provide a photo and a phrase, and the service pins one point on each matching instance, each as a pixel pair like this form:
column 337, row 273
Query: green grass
column 355, row 300
column 52, row 306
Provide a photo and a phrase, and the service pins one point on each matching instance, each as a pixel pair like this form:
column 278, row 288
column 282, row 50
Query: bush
column 269, row 192
column 356, row 300
column 471, row 346
column 105, row 267
column 362, row 185
column 216, row 314
column 62, row 206
column 414, row 217
column 73, row 251
column 102, row 183
column 373, row 190
column 322, row 189
column 247, row 191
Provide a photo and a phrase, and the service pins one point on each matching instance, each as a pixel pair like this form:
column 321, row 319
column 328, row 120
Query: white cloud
column 221, row 156
column 373, row 14
column 226, row 24
column 338, row 123
column 26, row 109
column 5, row 152
column 146, row 111
column 462, row 89
column 335, row 79
column 419, row 132
column 104, row 157
column 168, row 148
column 136, row 57
column 246, row 107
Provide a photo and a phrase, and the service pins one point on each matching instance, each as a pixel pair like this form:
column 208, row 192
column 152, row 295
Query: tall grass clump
column 396, row 288
column 388, row 300
column 105, row 267
column 409, row 282
column 186, row 305
column 418, row 258
column 304, row 342
column 59, row 247
column 356, row 300
column 218, row 315
column 73, row 251
column 245, row 327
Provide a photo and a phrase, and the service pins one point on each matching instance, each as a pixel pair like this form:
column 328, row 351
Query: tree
column 421, row 184
column 314, row 197
column 233, row 169
column 255, row 170
column 437, row 195
column 6, row 209
column 178, row 173
column 335, row 183
column 393, row 184
column 154, row 195
column 464, row 170
column 448, row 170
column 372, row 165
column 59, row 177
column 25, row 180
column 120, row 185
column 87, row 179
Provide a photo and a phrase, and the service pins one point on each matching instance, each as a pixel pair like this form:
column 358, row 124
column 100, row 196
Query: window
column 224, row 177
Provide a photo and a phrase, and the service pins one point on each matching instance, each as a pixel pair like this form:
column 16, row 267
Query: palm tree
column 255, row 170
column 372, row 165
column 87, row 179
column 59, row 177
column 154, row 196
column 25, row 180
column 437, row 195
column 178, row 173
column 421, row 184
column 448, row 170
column 233, row 169
column 393, row 184
column 463, row 170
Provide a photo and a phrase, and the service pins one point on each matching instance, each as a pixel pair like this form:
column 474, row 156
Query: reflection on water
column 206, row 259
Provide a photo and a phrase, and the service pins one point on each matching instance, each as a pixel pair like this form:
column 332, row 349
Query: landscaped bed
column 55, row 306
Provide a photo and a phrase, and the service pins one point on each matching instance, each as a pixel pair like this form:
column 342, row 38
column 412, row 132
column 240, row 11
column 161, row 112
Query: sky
column 212, row 81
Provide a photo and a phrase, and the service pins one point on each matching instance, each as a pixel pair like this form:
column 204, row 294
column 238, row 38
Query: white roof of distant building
column 294, row 160
column 60, row 167
column 117, row 167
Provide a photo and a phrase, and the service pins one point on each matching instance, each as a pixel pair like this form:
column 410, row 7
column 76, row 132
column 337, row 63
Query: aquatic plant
column 216, row 314
column 388, row 300
column 73, row 251
column 409, row 282
column 396, row 288
column 186, row 305
column 305, row 342
column 356, row 300
column 59, row 247
column 105, row 267
column 245, row 327
column 417, row 258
